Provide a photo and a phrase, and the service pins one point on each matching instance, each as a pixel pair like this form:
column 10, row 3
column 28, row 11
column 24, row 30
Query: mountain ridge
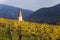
column 46, row 15
column 7, row 11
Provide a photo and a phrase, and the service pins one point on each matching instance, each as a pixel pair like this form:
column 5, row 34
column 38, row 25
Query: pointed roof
column 19, row 13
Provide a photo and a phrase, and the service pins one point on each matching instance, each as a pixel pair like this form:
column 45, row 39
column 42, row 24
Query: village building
column 20, row 18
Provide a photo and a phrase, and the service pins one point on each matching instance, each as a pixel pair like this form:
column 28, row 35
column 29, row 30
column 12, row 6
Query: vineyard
column 16, row 30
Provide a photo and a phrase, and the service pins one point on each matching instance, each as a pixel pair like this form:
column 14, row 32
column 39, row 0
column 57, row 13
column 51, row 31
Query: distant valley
column 49, row 15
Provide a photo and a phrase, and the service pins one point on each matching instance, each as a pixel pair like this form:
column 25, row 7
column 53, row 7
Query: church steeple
column 20, row 15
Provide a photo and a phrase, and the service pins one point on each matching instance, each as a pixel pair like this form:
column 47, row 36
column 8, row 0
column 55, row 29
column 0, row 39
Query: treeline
column 15, row 30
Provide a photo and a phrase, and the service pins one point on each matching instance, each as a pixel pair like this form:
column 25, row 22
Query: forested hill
column 46, row 15
column 11, row 12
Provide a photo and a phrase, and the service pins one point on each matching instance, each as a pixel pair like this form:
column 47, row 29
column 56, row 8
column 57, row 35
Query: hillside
column 7, row 11
column 46, row 15
column 23, row 30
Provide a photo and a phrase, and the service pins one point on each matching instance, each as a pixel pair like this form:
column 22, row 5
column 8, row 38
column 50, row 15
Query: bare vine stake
column 10, row 32
column 19, row 33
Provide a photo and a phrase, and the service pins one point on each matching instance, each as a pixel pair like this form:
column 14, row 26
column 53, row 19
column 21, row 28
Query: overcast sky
column 30, row 4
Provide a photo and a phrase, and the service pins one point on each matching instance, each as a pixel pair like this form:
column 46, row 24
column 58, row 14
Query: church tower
column 20, row 15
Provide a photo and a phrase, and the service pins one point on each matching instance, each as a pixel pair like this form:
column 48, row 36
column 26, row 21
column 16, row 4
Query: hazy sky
column 30, row 4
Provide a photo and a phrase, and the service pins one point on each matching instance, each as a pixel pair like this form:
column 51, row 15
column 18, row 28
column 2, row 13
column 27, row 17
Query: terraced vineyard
column 16, row 30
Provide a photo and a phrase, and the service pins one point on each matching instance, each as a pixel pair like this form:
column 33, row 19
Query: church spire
column 20, row 15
